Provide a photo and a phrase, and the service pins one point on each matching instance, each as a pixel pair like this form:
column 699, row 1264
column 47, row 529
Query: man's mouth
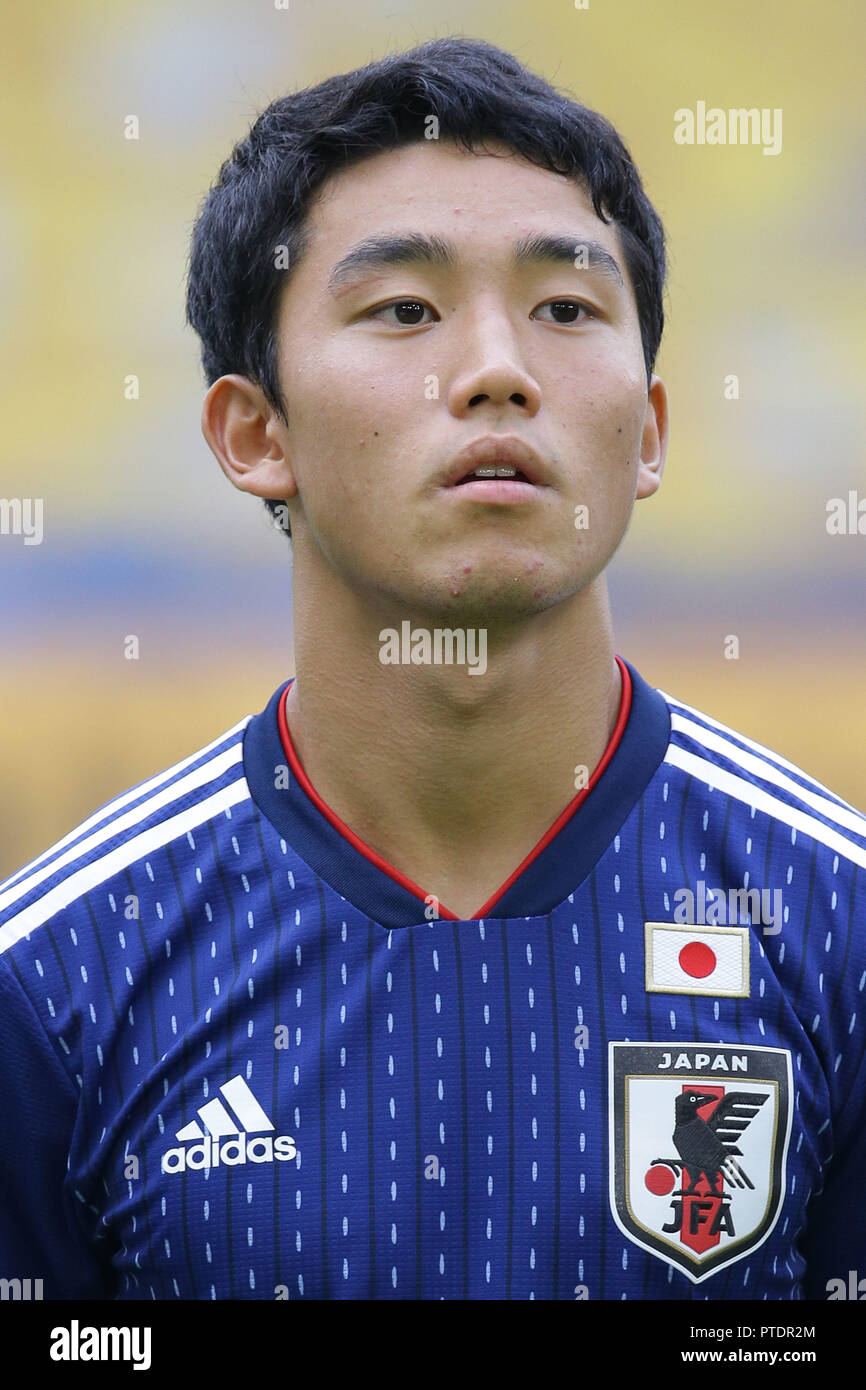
column 496, row 468
column 501, row 488
column 483, row 474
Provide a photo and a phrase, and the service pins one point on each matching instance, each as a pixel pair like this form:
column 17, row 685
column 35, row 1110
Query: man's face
column 390, row 370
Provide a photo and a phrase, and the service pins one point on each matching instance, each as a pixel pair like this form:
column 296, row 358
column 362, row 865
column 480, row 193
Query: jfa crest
column 698, row 1143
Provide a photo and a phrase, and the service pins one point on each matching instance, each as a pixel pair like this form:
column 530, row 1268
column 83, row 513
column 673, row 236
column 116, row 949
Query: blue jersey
column 242, row 1057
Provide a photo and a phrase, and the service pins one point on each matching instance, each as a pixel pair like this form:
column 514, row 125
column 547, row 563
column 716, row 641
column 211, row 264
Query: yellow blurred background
column 142, row 534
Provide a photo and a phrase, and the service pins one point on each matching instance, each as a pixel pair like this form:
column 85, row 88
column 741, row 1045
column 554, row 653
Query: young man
column 473, row 967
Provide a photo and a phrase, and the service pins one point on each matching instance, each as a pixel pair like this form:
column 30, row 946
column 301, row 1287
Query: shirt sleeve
column 41, row 1234
column 834, row 1243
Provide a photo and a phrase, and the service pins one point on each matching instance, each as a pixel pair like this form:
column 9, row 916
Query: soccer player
column 471, row 967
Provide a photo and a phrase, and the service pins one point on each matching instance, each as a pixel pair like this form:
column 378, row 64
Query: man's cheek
column 602, row 514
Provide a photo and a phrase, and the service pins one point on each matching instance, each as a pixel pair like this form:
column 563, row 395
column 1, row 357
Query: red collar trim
column 386, row 868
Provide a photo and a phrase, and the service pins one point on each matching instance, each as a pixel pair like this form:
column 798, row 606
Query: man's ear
column 247, row 438
column 654, row 440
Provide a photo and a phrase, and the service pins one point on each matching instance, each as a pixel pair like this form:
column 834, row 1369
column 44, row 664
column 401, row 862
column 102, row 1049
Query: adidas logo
column 226, row 1140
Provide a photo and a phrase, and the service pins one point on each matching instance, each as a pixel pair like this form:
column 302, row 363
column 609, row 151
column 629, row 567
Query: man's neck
column 454, row 778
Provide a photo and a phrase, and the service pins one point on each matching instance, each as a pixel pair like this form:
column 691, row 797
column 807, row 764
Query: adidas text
column 210, row 1152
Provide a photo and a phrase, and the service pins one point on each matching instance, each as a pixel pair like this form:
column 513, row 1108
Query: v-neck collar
column 550, row 872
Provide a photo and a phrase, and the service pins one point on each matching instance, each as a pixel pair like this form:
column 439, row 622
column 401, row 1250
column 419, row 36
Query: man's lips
column 497, row 451
column 493, row 490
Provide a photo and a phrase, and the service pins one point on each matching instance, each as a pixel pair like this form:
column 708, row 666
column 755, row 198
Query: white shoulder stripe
column 747, row 792
column 110, row 864
column 208, row 772
column 850, row 819
column 112, row 807
column 768, row 753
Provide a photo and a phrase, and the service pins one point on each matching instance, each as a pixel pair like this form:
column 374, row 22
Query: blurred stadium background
column 142, row 533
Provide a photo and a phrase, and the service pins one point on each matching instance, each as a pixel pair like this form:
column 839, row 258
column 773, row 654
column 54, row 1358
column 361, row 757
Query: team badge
column 698, row 1145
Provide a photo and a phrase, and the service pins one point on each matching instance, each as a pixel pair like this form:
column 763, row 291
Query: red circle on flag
column 660, row 1180
column 697, row 960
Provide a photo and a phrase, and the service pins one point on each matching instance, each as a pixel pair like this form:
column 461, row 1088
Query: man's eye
column 408, row 311
column 569, row 308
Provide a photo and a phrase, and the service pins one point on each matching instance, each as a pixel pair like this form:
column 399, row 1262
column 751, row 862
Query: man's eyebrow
column 388, row 249
column 541, row 246
column 413, row 248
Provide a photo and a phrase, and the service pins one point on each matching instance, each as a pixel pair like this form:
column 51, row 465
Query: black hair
column 259, row 201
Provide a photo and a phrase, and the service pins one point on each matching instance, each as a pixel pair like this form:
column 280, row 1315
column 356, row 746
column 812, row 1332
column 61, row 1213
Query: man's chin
column 484, row 599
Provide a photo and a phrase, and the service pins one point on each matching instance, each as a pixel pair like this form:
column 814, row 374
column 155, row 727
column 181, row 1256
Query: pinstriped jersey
column 242, row 1057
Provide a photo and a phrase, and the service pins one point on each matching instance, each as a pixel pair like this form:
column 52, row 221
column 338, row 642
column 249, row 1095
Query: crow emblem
column 709, row 1147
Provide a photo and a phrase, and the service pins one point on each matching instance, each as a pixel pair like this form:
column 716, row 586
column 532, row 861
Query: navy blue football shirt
column 242, row 1057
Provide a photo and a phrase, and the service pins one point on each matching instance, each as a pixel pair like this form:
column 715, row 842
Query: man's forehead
column 444, row 175
column 430, row 178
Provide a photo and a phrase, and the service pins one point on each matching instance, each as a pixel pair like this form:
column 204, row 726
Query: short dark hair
column 476, row 91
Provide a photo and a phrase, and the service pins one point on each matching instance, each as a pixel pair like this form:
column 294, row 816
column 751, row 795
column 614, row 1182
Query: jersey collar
column 548, row 875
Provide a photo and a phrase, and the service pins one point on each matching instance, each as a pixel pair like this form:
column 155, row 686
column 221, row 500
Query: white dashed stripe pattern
column 75, row 885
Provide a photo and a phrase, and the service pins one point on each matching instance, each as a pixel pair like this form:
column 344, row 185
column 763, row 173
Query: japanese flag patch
column 697, row 960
